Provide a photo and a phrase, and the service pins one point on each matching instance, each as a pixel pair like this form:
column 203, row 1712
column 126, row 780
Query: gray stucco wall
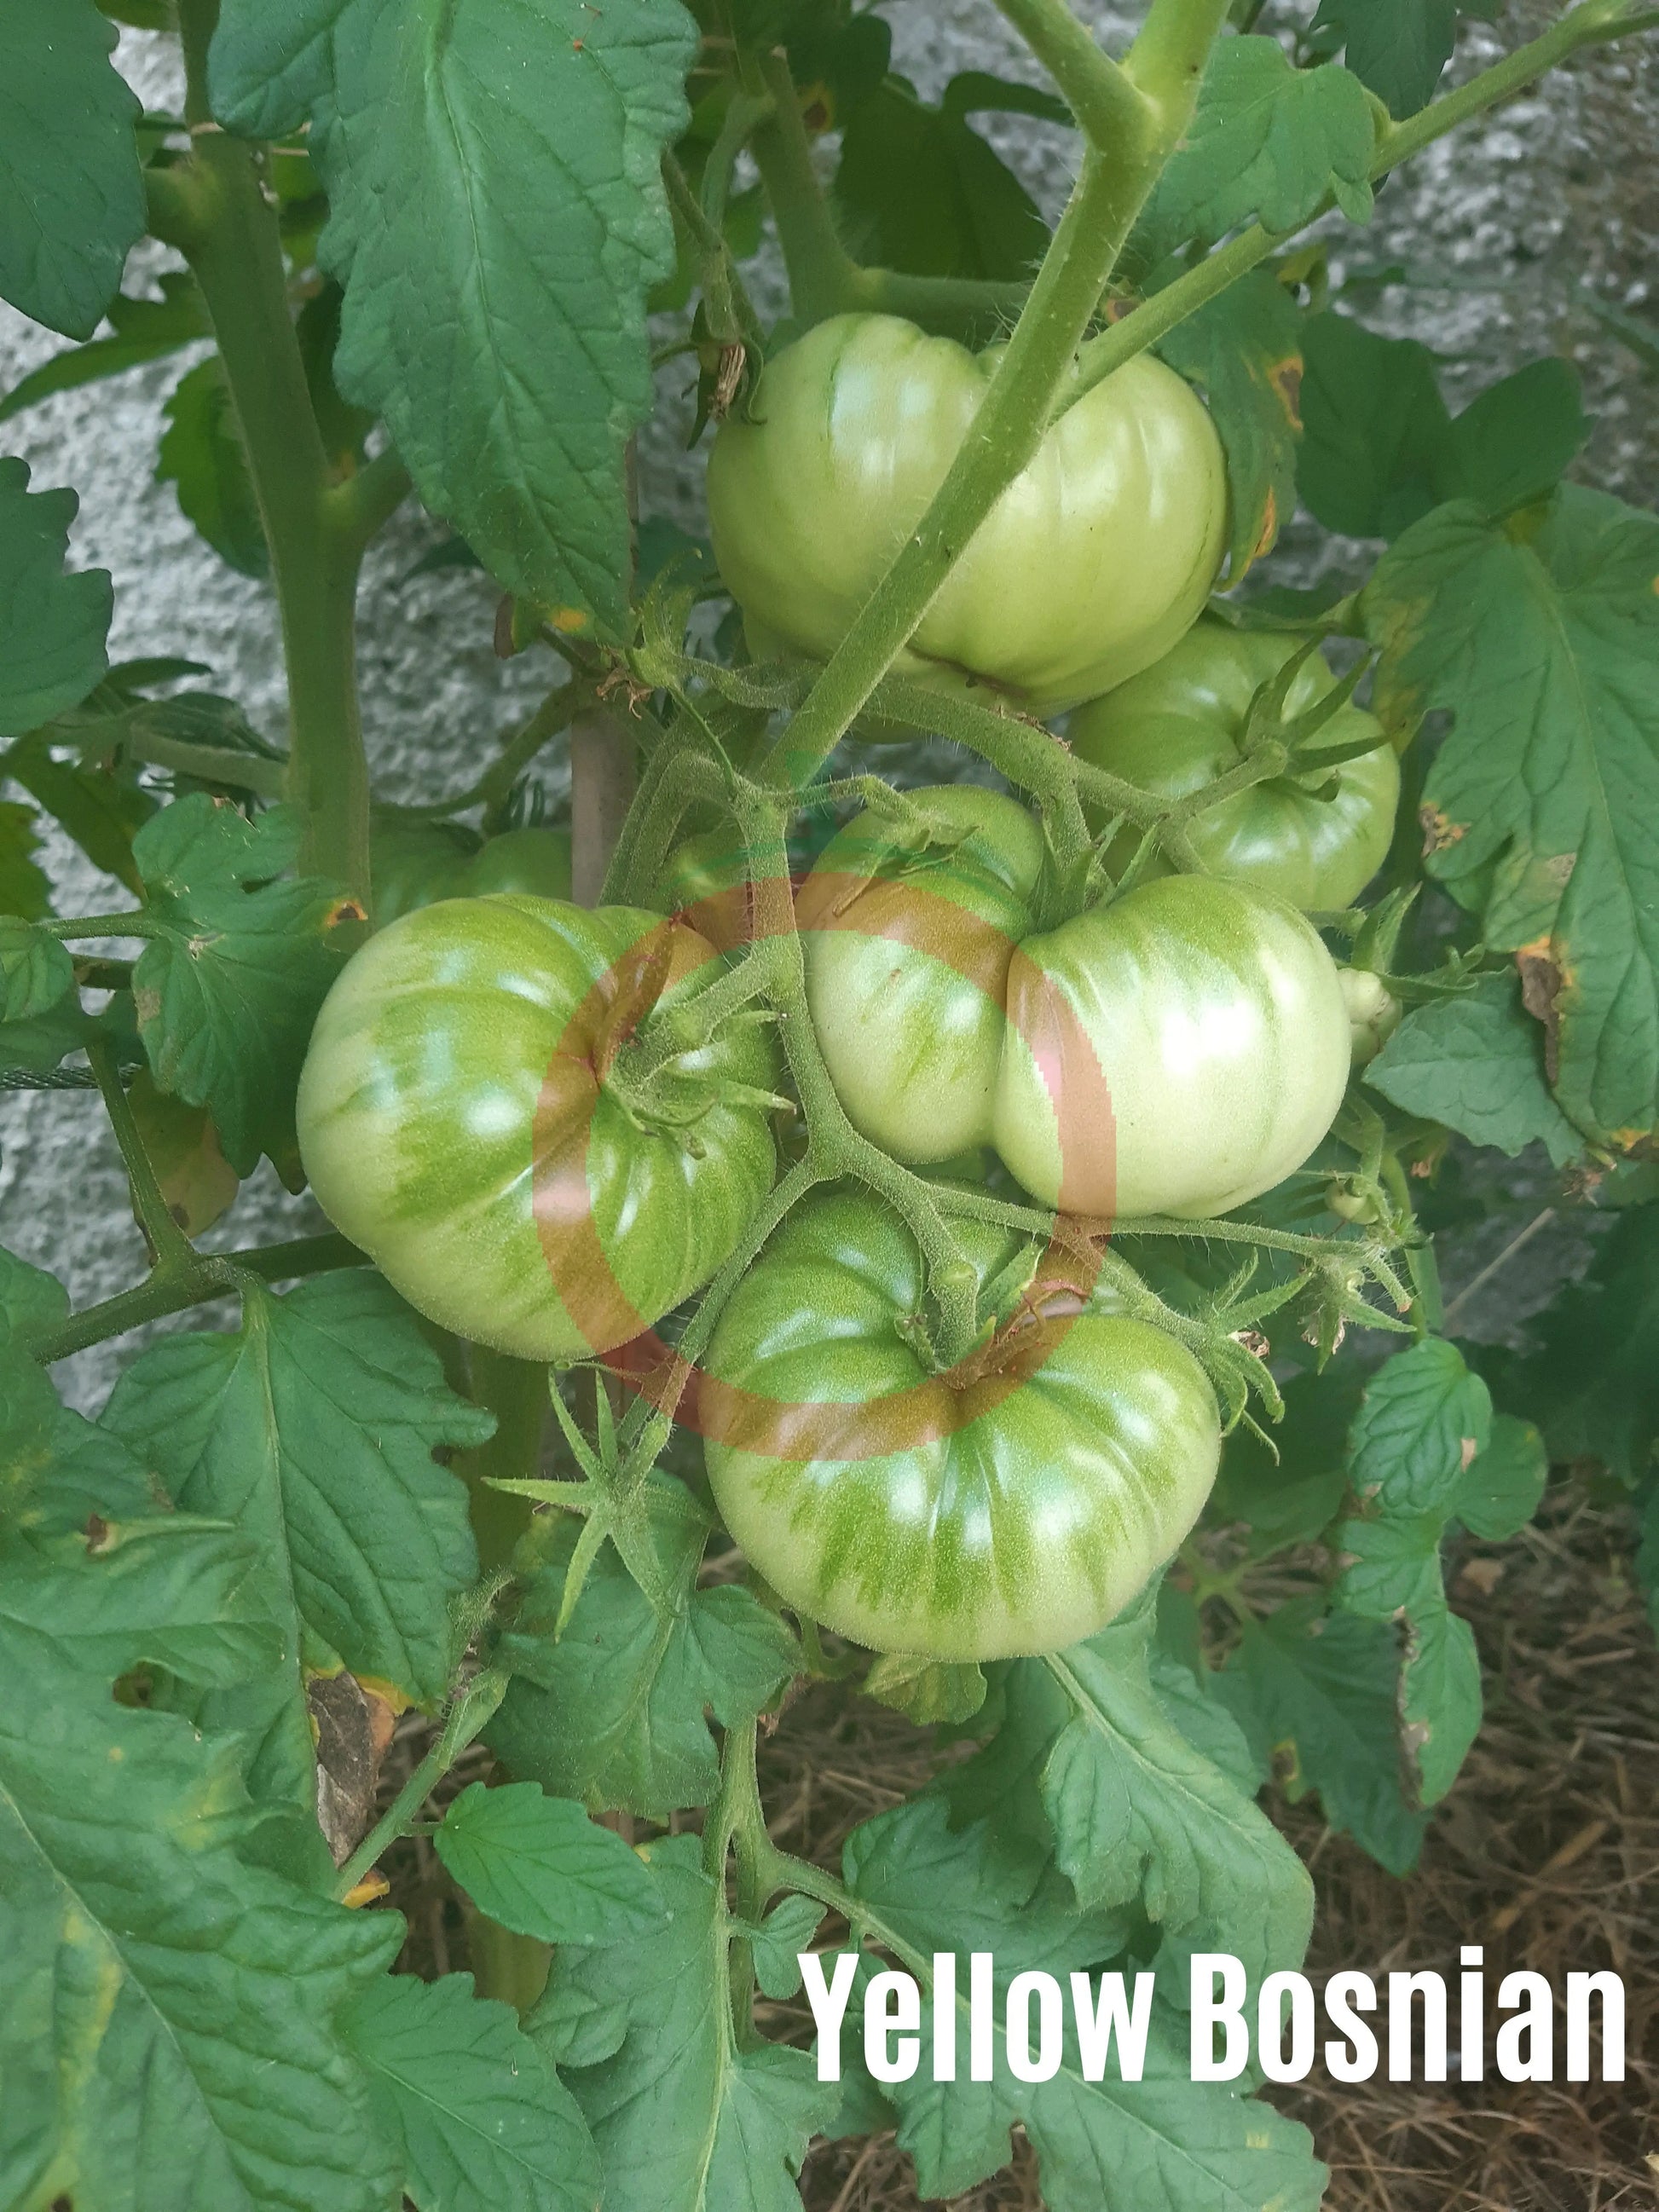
column 1554, row 199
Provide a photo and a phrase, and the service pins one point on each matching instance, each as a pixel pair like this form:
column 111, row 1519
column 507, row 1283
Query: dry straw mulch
column 1547, row 1854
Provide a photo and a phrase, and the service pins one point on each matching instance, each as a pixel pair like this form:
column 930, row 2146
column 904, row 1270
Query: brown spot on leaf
column 1543, row 979
column 1440, row 833
column 352, row 1736
column 345, row 909
column 1285, row 378
column 506, row 646
column 97, row 1533
column 1467, row 1451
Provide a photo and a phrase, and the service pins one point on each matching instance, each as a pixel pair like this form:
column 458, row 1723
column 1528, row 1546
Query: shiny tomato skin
column 1090, row 565
column 957, row 1517
column 907, row 956
column 1316, row 837
column 458, row 1121
column 414, row 863
column 1176, row 1049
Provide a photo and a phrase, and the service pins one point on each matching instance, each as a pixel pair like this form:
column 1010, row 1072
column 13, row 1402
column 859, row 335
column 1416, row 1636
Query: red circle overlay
column 902, row 913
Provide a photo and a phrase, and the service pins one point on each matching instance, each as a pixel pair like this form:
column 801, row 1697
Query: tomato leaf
column 1267, row 141
column 203, row 456
column 228, row 987
column 128, row 1896
column 24, row 892
column 1543, row 803
column 1244, row 350
column 483, row 2123
column 1504, row 1483
column 1476, row 1063
column 777, row 1943
column 1291, row 1492
column 36, row 971
column 611, row 1712
column 639, row 2028
column 1171, row 2144
column 1422, row 1425
column 497, row 220
column 312, row 1430
column 920, row 191
column 1136, row 1813
column 52, row 627
column 1316, row 1694
column 1373, row 428
column 1399, row 47
column 101, row 812
column 539, row 1866
column 1422, row 1420
column 72, row 193
column 143, row 331
column 196, row 1179
column 1380, row 449
column 1592, row 1385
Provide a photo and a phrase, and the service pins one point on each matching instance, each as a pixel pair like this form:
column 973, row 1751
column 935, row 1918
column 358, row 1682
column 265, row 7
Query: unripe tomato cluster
column 476, row 1114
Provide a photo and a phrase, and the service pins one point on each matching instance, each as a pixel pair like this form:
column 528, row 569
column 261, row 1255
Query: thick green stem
column 169, row 1247
column 729, row 312
column 602, row 774
column 505, row 1965
column 1589, row 25
column 1103, row 98
column 516, row 1392
column 1166, row 62
column 217, row 213
column 821, row 270
column 222, row 764
column 360, row 507
column 1033, row 371
column 1428, row 1309
column 207, row 1275
column 1006, row 433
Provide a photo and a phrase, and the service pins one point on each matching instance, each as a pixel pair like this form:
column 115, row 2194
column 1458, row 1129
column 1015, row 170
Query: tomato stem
column 469, row 1711
column 171, row 1287
column 1588, row 25
column 167, row 1241
column 216, row 208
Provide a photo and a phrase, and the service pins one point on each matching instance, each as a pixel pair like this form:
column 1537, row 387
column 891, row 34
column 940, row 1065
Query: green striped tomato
column 1316, row 837
column 1178, row 1050
column 1090, row 565
column 1011, row 1505
column 459, row 1119
column 414, row 863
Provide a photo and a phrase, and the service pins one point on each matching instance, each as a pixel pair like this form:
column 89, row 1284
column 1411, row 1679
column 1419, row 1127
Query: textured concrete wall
column 1502, row 241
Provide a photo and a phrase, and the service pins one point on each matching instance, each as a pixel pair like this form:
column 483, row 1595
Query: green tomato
column 1090, row 565
column 1012, row 1505
column 414, row 863
column 462, row 1120
column 1178, row 1050
column 1317, row 836
column 1374, row 1012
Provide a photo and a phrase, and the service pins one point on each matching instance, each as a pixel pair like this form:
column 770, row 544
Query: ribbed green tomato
column 1011, row 1505
column 1177, row 1050
column 461, row 1119
column 1316, row 837
column 1090, row 565
column 414, row 863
